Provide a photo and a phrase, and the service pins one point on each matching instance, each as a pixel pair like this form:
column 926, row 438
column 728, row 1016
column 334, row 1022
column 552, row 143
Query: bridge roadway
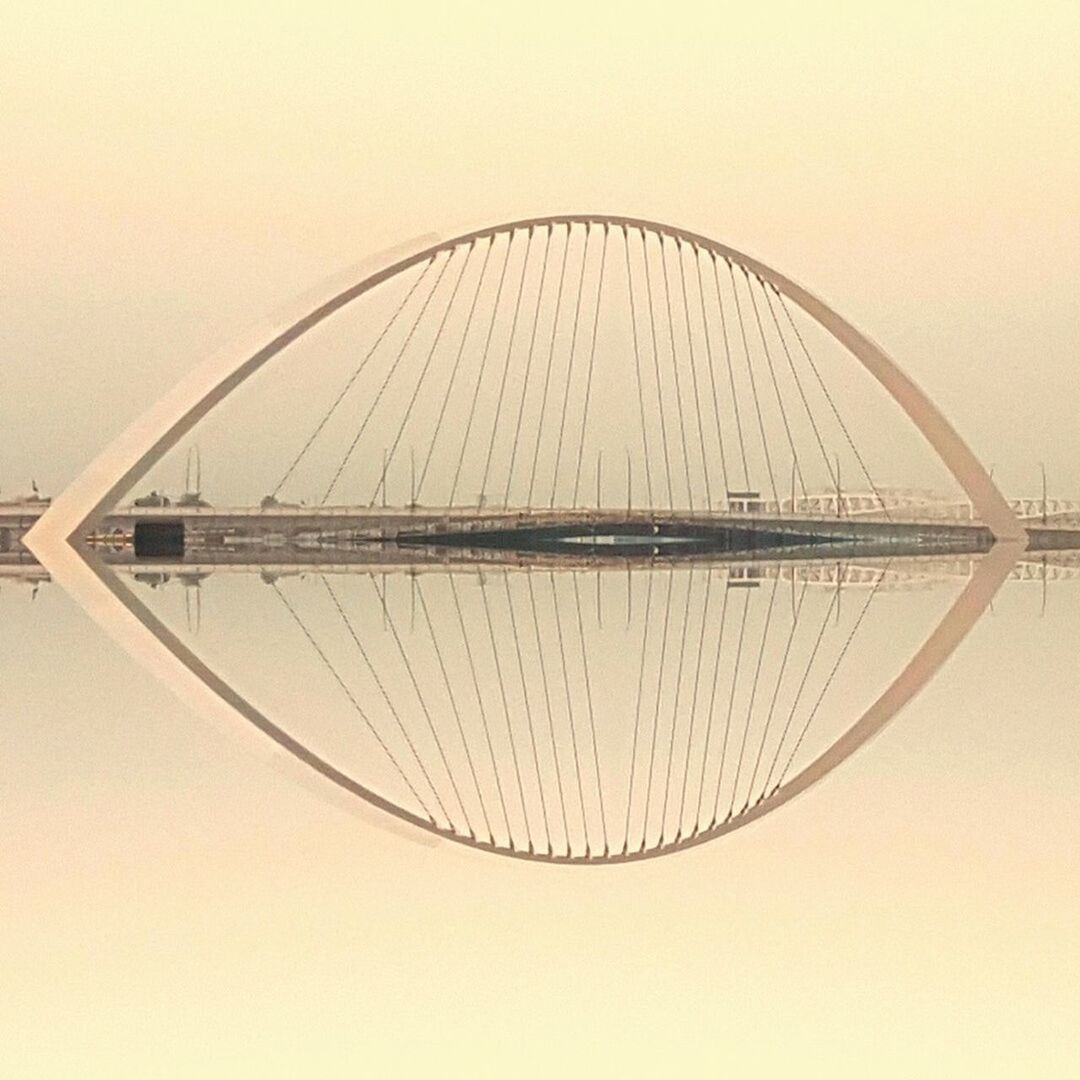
column 521, row 529
column 292, row 535
column 206, row 526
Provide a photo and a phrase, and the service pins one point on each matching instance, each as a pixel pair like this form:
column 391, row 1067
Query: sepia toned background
column 173, row 902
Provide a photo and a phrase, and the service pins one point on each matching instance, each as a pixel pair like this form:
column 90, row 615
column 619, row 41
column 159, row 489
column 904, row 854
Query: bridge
column 577, row 537
column 553, row 395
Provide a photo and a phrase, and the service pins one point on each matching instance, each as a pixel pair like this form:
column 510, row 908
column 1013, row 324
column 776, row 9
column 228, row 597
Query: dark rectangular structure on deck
column 159, row 539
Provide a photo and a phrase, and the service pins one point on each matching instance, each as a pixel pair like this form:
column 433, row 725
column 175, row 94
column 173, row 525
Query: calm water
column 171, row 873
column 773, row 812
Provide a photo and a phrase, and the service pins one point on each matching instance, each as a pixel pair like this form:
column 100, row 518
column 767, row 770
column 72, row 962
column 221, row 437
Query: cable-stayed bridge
column 496, row 414
column 580, row 378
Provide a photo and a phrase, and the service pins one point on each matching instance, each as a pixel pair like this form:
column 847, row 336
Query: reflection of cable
column 423, row 705
column 363, row 716
column 753, row 692
column 547, row 704
column 528, row 708
column 712, row 703
column 637, row 708
column 457, row 711
column 656, row 710
column 839, row 659
column 483, row 711
column 592, row 721
column 802, row 686
column 506, row 711
column 731, row 701
column 675, row 703
column 776, row 692
column 694, row 700
column 569, row 709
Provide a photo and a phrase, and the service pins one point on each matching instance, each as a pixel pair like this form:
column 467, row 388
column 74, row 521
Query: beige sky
column 169, row 176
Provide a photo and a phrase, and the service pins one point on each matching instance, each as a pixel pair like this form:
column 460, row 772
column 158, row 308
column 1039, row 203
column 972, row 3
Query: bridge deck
column 289, row 535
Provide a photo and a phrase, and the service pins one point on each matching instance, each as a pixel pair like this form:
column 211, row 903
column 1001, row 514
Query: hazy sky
column 173, row 905
column 171, row 174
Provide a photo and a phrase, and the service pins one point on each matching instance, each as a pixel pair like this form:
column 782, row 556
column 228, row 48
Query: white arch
column 150, row 438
